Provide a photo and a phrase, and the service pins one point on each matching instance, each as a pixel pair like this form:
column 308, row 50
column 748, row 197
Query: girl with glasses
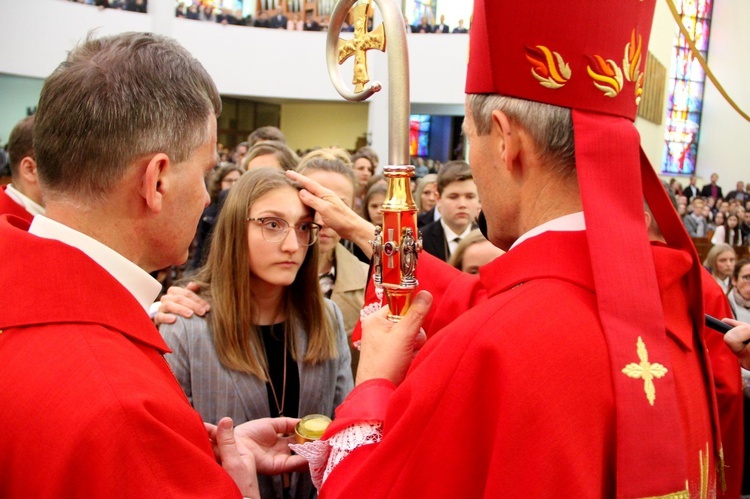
column 271, row 344
column 739, row 293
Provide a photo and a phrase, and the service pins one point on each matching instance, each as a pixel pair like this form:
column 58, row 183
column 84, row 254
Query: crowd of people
column 263, row 328
column 129, row 5
column 293, row 20
column 723, row 219
column 425, row 26
column 273, row 18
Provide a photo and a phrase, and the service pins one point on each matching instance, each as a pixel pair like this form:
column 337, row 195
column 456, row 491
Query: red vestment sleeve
column 367, row 402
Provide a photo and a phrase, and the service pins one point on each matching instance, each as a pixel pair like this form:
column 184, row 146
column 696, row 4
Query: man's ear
column 507, row 138
column 155, row 182
column 647, row 218
column 27, row 169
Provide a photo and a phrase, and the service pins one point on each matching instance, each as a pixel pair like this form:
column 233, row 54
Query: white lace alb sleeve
column 324, row 455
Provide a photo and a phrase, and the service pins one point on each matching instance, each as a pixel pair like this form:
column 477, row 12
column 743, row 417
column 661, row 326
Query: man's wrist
column 364, row 233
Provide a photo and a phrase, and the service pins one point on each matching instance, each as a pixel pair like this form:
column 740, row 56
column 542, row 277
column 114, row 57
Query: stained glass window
column 686, row 83
column 415, row 10
column 419, row 135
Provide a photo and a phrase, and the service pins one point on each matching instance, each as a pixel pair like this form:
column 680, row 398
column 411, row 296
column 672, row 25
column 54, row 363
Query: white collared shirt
column 450, row 236
column 435, row 215
column 24, row 201
column 565, row 223
column 141, row 285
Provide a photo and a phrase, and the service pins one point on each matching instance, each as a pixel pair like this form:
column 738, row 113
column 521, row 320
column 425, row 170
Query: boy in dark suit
column 458, row 203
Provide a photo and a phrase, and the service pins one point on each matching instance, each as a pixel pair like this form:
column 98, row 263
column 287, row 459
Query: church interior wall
column 724, row 145
column 344, row 123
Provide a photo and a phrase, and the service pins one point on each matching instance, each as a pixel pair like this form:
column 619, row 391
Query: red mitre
column 589, row 55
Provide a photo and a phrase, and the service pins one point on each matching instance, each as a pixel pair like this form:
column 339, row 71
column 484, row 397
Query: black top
column 273, row 341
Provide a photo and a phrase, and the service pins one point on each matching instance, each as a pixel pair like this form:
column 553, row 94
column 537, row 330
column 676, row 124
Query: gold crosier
column 397, row 244
column 359, row 45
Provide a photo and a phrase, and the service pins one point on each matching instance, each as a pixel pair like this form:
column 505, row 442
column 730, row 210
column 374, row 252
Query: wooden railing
column 703, row 245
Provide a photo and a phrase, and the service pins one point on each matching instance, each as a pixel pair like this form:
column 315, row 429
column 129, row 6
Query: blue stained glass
column 419, row 134
column 687, row 82
column 417, row 9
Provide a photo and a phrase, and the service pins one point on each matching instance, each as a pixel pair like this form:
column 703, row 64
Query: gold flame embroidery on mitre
column 607, row 76
column 631, row 64
column 549, row 68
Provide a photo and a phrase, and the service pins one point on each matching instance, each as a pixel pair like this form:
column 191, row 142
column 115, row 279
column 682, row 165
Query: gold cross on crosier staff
column 645, row 370
column 360, row 44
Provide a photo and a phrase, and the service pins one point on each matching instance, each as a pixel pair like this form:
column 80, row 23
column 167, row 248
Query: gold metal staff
column 396, row 245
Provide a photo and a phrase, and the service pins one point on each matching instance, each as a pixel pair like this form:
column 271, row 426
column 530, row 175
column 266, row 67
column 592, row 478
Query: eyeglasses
column 275, row 229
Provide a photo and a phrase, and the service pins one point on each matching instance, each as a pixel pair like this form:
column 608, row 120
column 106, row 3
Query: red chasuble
column 514, row 398
column 89, row 405
column 10, row 207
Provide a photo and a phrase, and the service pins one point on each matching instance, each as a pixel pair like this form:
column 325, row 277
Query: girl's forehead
column 282, row 202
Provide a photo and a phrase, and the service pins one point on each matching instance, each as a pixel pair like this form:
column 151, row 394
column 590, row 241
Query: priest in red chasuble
column 574, row 366
column 124, row 136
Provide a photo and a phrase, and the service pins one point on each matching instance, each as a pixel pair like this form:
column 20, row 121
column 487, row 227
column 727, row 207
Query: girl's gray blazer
column 216, row 392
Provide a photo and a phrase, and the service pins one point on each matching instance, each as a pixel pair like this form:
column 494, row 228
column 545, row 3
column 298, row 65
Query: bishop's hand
column 335, row 213
column 389, row 347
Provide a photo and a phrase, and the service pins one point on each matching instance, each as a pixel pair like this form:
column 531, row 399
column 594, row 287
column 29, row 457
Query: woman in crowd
column 682, row 210
column 373, row 205
column 739, row 294
column 711, row 204
column 718, row 221
column 675, row 187
column 364, row 167
column 724, row 207
column 271, row 154
column 720, row 262
column 271, row 344
column 221, row 180
column 425, row 196
column 729, row 232
column 739, row 299
column 426, row 193
column 473, row 252
column 342, row 275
